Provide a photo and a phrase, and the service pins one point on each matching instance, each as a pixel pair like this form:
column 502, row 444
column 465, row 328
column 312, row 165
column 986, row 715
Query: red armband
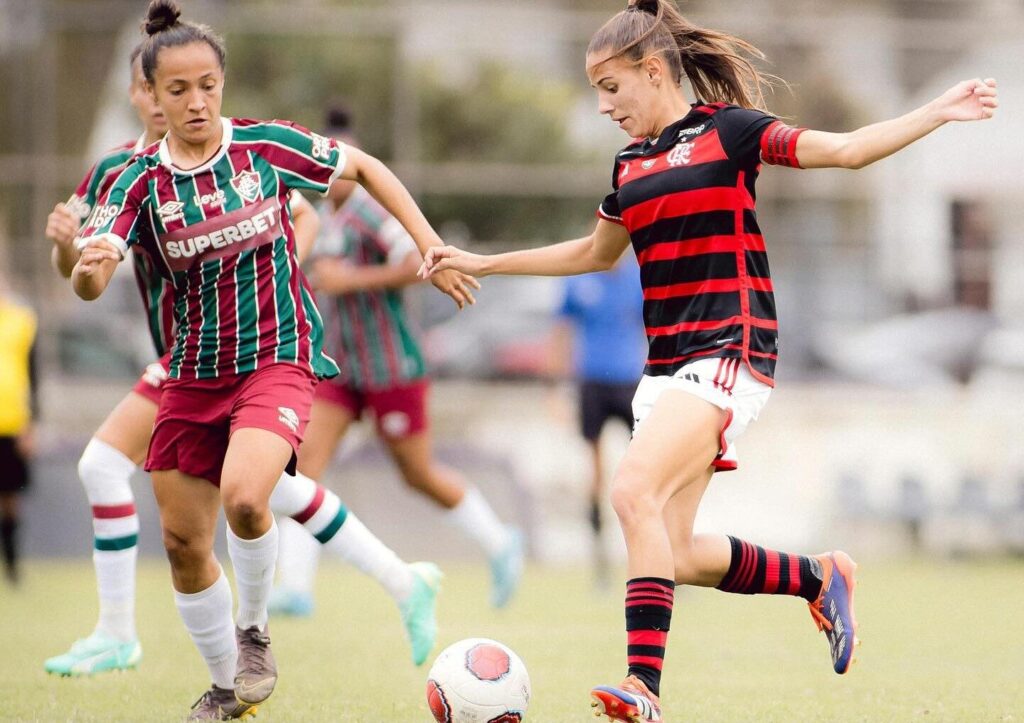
column 778, row 145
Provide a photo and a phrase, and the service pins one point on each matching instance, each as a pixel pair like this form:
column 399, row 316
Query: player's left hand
column 457, row 285
column 969, row 100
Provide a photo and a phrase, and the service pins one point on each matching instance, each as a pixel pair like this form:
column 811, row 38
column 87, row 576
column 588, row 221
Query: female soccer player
column 208, row 203
column 120, row 445
column 684, row 197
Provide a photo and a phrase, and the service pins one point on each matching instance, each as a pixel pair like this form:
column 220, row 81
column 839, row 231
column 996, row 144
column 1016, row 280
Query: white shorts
column 726, row 383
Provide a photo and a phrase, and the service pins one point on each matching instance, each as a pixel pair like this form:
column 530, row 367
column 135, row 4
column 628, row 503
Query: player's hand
column 456, row 284
column 332, row 276
column 94, row 255
column 969, row 100
column 61, row 225
column 441, row 258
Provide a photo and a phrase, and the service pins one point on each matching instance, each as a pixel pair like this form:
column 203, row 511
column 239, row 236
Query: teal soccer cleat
column 98, row 653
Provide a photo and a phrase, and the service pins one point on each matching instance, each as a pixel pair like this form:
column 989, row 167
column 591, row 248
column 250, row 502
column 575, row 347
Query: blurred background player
column 18, row 411
column 601, row 343
column 362, row 261
column 120, row 444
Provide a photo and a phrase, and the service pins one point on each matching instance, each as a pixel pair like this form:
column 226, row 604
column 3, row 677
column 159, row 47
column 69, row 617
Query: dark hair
column 164, row 30
column 338, row 117
column 717, row 64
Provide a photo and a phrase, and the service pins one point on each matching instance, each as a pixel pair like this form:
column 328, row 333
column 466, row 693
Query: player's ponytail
column 717, row 64
column 164, row 30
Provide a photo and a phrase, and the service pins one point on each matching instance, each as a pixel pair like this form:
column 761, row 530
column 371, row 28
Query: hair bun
column 162, row 14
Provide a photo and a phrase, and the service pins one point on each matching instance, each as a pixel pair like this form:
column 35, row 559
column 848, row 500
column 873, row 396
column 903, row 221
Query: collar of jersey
column 668, row 137
column 225, row 141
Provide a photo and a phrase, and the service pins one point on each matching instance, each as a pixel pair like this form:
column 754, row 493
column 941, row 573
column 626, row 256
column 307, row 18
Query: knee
column 633, row 501
column 244, row 510
column 183, row 551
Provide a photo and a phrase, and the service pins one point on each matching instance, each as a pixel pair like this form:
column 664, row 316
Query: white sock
column 474, row 516
column 335, row 527
column 254, row 562
column 297, row 556
column 361, row 548
column 207, row 617
column 105, row 473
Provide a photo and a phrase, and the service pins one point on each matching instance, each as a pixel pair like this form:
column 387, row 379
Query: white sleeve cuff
column 111, row 238
column 339, row 169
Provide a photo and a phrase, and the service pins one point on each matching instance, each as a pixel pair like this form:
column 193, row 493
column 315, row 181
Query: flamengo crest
column 247, row 183
column 680, row 154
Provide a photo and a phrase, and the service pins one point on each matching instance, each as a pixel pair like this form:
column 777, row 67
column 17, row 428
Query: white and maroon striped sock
column 105, row 473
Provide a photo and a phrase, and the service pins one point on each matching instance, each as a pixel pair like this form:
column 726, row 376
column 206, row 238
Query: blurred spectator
column 603, row 334
column 17, row 411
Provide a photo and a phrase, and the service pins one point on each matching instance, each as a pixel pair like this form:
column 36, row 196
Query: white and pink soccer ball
column 478, row 681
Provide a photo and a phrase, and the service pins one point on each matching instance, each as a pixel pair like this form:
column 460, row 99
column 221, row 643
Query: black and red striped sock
column 648, row 614
column 755, row 570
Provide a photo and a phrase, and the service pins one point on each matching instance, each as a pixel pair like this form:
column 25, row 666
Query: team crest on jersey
column 171, row 211
column 247, row 183
column 680, row 155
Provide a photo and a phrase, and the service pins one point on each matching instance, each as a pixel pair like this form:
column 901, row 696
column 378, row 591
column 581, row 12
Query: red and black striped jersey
column 223, row 235
column 687, row 200
column 156, row 291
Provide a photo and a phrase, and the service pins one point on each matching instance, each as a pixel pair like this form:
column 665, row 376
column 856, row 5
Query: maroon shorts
column 197, row 417
column 399, row 411
column 151, row 383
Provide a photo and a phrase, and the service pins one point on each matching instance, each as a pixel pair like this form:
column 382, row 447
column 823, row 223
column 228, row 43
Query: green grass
column 942, row 642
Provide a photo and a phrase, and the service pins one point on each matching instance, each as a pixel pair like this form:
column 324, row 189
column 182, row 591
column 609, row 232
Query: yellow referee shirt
column 17, row 333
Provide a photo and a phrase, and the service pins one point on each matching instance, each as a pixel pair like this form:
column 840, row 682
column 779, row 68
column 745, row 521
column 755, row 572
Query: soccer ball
column 478, row 681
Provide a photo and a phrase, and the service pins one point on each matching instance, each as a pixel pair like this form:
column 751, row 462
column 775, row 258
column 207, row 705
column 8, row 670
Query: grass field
column 942, row 642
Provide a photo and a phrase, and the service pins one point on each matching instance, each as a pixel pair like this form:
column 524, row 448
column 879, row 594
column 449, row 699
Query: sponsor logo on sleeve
column 321, row 147
column 103, row 215
column 77, row 206
column 247, row 184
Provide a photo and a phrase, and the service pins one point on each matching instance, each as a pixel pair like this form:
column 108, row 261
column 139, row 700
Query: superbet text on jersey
column 222, row 233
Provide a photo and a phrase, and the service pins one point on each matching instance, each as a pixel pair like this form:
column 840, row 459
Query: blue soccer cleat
column 833, row 610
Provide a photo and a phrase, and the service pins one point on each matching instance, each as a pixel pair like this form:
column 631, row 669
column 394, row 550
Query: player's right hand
column 61, row 225
column 442, row 258
column 456, row 285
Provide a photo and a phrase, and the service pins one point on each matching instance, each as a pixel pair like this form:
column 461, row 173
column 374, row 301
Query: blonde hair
column 717, row 64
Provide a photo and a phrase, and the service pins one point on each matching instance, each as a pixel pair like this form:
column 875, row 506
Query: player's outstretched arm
column 61, row 228
column 96, row 265
column 966, row 101
column 597, row 252
column 384, row 186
